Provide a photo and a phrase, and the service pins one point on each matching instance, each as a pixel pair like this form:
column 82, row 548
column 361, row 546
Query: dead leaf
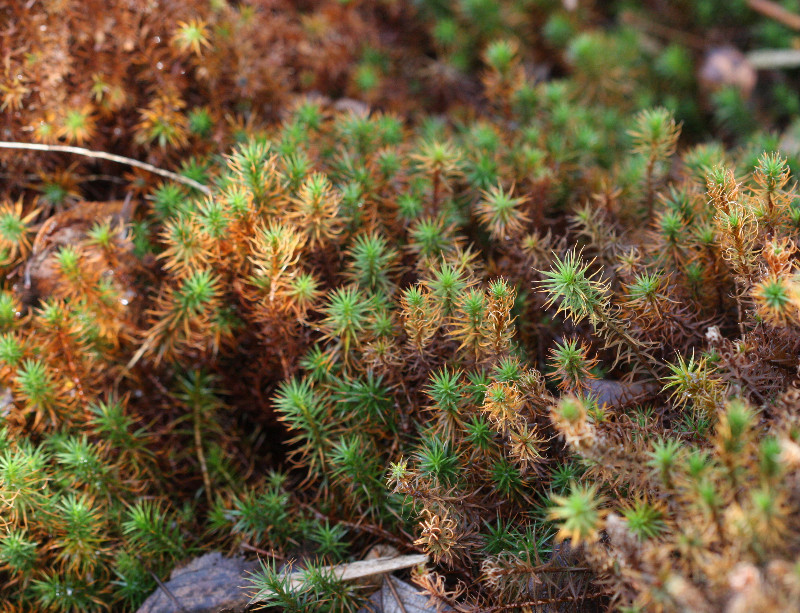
column 40, row 274
column 209, row 584
column 619, row 393
column 727, row 66
column 404, row 598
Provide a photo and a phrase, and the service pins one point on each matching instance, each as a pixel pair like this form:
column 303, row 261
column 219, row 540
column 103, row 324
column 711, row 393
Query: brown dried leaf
column 404, row 598
column 208, row 584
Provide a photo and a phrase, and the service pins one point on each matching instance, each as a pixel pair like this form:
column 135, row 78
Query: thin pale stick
column 364, row 568
column 775, row 11
column 102, row 155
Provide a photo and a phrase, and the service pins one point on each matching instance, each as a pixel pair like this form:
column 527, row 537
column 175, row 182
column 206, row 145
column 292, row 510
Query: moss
column 343, row 342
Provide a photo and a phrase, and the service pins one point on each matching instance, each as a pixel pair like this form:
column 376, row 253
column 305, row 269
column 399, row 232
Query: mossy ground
column 508, row 283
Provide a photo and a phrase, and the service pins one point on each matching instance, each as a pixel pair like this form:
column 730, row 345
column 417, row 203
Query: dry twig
column 102, row 155
column 775, row 11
